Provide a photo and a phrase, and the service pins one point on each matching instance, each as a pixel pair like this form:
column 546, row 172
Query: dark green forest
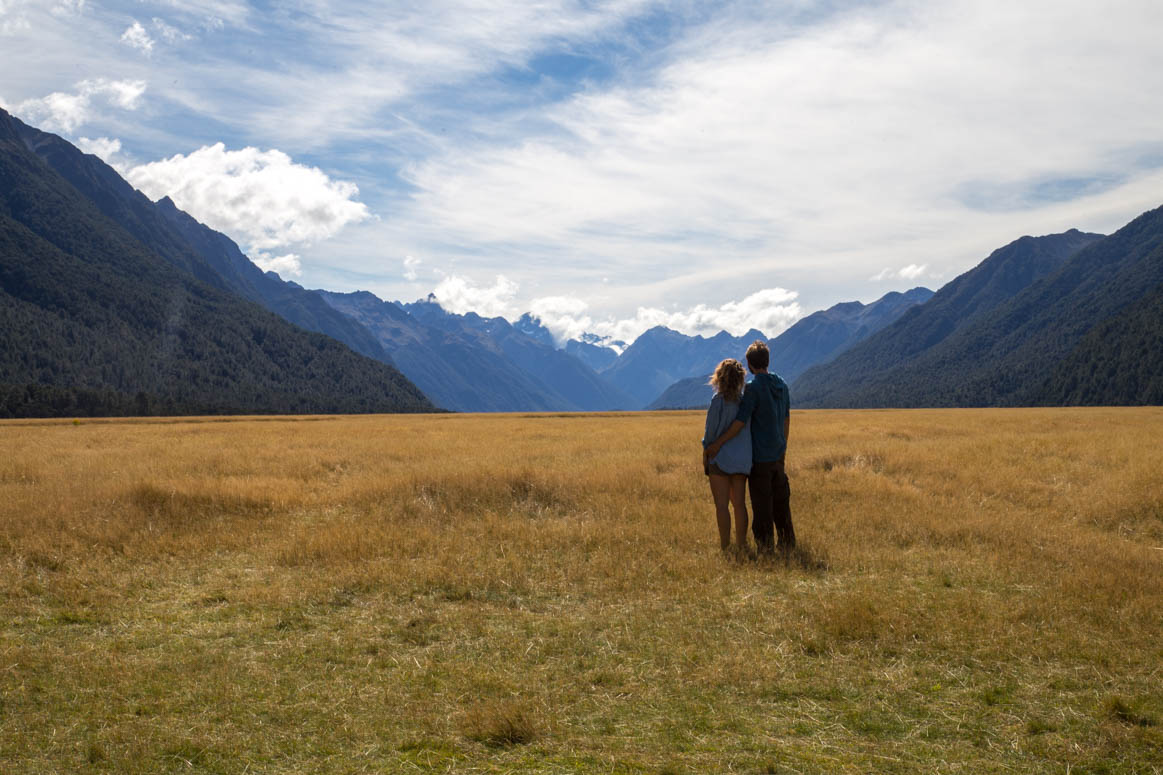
column 1117, row 362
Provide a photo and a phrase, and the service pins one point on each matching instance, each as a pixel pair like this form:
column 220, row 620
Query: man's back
column 767, row 403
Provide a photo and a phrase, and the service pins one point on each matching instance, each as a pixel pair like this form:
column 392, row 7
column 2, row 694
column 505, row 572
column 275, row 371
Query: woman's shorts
column 711, row 468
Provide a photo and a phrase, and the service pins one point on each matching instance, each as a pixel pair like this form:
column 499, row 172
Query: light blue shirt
column 735, row 456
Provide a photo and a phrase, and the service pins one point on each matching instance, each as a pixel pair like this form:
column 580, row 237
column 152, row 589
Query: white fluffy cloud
column 66, row 111
column 135, row 36
column 565, row 316
column 262, row 199
column 460, row 295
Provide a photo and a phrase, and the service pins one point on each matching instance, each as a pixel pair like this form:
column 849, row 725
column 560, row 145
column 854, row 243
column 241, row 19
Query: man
column 767, row 403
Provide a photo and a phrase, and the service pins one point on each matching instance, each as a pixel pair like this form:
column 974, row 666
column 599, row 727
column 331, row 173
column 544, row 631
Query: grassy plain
column 981, row 591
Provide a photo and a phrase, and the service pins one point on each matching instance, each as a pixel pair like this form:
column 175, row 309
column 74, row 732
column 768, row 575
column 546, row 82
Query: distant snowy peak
column 532, row 326
column 609, row 342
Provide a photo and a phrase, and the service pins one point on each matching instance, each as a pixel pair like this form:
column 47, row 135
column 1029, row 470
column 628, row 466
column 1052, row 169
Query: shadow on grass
column 801, row 558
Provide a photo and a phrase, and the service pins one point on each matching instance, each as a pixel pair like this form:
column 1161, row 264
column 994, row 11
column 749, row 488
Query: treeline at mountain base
column 33, row 400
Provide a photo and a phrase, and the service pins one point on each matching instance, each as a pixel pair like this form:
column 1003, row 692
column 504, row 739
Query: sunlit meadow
column 977, row 591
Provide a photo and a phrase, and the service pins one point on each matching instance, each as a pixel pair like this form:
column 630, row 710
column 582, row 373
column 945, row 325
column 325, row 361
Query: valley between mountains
column 113, row 304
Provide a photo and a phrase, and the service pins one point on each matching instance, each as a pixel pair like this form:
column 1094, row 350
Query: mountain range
column 114, row 304
column 476, row 364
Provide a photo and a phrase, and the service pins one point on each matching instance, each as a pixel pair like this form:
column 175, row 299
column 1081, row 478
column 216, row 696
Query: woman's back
column 735, row 455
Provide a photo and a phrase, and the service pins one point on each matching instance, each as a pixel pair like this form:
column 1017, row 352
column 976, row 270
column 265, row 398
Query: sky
column 610, row 165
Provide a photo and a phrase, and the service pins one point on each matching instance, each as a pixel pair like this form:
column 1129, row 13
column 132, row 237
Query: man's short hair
column 758, row 356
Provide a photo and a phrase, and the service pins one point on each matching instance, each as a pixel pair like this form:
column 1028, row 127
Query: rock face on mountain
column 577, row 386
column 456, row 371
column 814, row 339
column 475, row 364
column 105, row 317
column 531, row 327
column 1034, row 347
column 661, row 357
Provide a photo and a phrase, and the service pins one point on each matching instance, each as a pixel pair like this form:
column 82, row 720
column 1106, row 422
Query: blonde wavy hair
column 728, row 379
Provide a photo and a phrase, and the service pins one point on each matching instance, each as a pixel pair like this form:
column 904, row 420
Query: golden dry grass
column 982, row 591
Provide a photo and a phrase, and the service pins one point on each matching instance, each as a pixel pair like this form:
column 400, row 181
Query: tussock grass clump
column 501, row 723
column 1119, row 709
column 545, row 593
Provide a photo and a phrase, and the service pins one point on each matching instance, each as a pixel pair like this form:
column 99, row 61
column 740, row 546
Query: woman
column 728, row 470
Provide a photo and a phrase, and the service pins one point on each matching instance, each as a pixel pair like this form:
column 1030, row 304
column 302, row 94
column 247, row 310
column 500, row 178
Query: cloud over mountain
column 262, row 198
column 460, row 295
column 770, row 310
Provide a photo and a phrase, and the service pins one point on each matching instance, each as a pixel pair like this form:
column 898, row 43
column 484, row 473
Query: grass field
column 980, row 591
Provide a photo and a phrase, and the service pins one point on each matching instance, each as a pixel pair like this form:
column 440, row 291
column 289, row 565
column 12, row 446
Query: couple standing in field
column 745, row 442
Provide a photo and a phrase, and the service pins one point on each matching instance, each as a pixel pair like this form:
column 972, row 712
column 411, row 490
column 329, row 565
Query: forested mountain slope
column 856, row 376
column 95, row 322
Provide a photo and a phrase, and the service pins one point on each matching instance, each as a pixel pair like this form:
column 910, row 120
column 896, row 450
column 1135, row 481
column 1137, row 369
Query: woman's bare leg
column 721, row 492
column 739, row 501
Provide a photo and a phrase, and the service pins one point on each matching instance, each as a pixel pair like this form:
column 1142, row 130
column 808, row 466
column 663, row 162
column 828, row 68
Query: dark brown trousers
column 771, row 507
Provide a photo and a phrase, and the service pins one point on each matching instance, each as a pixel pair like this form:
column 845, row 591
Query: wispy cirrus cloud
column 16, row 16
column 169, row 32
